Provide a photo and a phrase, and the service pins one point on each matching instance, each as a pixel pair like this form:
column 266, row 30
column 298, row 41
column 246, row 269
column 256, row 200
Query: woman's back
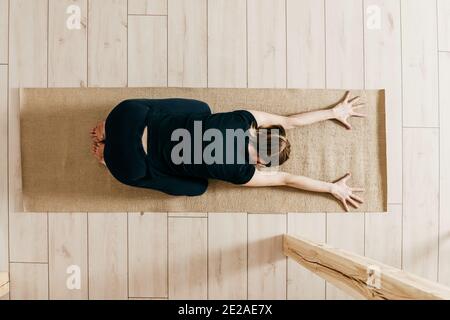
column 201, row 144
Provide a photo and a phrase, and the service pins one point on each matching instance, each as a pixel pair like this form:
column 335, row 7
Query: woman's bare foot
column 97, row 150
column 98, row 132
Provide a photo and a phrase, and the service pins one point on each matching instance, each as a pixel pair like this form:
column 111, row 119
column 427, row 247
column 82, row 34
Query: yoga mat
column 59, row 173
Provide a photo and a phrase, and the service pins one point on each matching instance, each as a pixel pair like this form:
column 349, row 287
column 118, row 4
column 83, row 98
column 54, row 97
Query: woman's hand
column 346, row 109
column 344, row 193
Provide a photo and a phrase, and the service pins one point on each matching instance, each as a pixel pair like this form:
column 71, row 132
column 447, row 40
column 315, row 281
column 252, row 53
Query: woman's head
column 271, row 144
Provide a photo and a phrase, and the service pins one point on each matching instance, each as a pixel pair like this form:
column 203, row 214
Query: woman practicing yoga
column 176, row 145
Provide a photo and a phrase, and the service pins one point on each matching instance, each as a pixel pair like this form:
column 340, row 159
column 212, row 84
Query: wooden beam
column 4, row 278
column 359, row 276
column 4, row 284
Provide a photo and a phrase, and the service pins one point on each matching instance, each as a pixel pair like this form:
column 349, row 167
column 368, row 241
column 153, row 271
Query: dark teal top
column 161, row 146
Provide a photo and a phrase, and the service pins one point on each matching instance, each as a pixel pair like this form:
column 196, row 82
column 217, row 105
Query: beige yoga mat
column 59, row 174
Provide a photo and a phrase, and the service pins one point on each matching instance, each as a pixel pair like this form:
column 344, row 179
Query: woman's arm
column 341, row 112
column 338, row 189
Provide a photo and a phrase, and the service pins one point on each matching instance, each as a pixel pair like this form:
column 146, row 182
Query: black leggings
column 124, row 154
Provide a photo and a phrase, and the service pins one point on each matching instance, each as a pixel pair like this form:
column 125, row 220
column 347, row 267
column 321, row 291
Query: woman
column 140, row 143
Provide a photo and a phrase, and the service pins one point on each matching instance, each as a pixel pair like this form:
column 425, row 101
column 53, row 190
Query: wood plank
column 147, row 254
column 107, row 43
column 4, row 278
column 305, row 69
column 132, row 298
column 4, row 247
column 302, row 284
column 266, row 21
column 107, row 234
column 4, row 18
column 360, row 276
column 147, row 51
column 383, row 69
column 227, row 256
column 266, row 263
column 420, row 66
column 150, row 7
column 444, row 174
column 383, row 239
column 187, row 34
column 4, row 285
column 28, row 237
column 28, row 43
column 305, row 44
column 421, row 201
column 188, row 257
column 188, row 214
column 68, row 250
column 344, row 231
column 443, row 7
column 345, row 69
column 344, row 44
column 227, row 43
column 67, row 55
column 4, row 291
column 27, row 68
column 29, row 281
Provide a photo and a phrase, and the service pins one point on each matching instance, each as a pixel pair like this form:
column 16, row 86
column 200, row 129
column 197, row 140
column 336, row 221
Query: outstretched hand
column 345, row 194
column 346, row 109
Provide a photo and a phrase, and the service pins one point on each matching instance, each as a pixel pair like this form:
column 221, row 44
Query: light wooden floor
column 230, row 43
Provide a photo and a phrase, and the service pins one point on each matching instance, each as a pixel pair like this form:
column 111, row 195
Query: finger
column 345, row 205
column 355, row 197
column 347, row 95
column 347, row 176
column 353, row 203
column 354, row 99
column 359, row 115
column 344, row 178
column 358, row 105
column 357, row 189
column 347, row 125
